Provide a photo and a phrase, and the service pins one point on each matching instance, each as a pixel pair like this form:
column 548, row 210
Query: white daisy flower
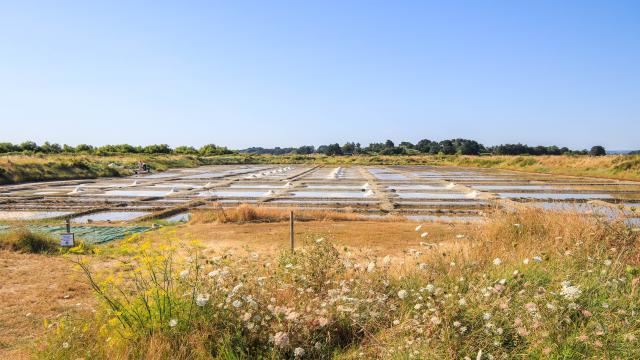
column 402, row 294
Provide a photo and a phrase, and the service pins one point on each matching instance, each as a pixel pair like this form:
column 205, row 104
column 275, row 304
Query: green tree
column 186, row 150
column 348, row 148
column 68, row 149
column 407, row 145
column 157, row 149
column 333, row 149
column 28, row 146
column 212, row 149
column 305, row 150
column 447, row 147
column 84, row 148
column 49, row 148
column 425, row 145
column 597, row 151
column 8, row 147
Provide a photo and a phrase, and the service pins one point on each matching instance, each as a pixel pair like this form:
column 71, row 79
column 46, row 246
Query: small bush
column 23, row 240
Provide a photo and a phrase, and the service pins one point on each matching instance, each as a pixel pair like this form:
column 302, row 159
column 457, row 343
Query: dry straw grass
column 527, row 284
column 245, row 213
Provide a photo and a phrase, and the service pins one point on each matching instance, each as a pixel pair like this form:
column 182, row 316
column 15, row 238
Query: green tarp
column 91, row 234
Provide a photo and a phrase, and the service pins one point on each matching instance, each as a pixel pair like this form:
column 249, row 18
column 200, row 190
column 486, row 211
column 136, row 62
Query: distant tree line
column 424, row 146
column 49, row 148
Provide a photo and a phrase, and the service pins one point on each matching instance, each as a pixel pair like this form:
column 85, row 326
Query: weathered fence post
column 291, row 233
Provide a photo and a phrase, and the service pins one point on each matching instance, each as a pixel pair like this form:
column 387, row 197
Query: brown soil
column 35, row 288
column 383, row 238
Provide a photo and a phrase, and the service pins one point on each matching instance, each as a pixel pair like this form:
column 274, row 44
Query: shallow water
column 427, row 174
column 329, row 194
column 223, row 193
column 31, row 215
column 556, row 196
column 417, row 187
column 513, row 187
column 320, row 201
column 384, row 174
column 170, row 185
column 330, row 187
column 49, row 193
column 445, row 203
column 256, row 186
column 632, row 222
column 134, row 193
column 408, row 195
column 207, row 175
column 389, row 176
column 169, row 201
column 109, row 216
column 160, row 175
column 443, row 218
column 579, row 207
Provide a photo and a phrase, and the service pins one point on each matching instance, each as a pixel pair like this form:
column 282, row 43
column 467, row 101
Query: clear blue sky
column 289, row 73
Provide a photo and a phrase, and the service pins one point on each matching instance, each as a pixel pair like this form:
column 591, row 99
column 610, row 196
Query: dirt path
column 34, row 288
column 383, row 238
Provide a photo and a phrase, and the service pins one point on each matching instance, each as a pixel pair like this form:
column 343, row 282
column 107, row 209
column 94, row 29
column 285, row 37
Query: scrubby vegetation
column 26, row 241
column 30, row 147
column 249, row 213
column 21, row 168
column 32, row 162
column 526, row 284
column 23, row 240
column 612, row 166
column 40, row 167
column 424, row 146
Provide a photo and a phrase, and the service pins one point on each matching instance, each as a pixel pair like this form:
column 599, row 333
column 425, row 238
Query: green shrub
column 23, row 240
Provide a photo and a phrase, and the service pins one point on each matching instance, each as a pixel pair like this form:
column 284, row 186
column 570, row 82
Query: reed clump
column 245, row 213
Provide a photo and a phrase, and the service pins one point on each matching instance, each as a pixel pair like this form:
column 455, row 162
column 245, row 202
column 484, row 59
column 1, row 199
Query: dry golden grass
column 38, row 284
column 531, row 231
column 625, row 167
column 249, row 213
column 523, row 273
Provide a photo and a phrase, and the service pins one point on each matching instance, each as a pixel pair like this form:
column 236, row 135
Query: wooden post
column 67, row 239
column 291, row 233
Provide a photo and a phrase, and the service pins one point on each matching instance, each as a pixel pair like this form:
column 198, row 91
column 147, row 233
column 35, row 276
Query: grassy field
column 612, row 166
column 529, row 284
column 21, row 168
